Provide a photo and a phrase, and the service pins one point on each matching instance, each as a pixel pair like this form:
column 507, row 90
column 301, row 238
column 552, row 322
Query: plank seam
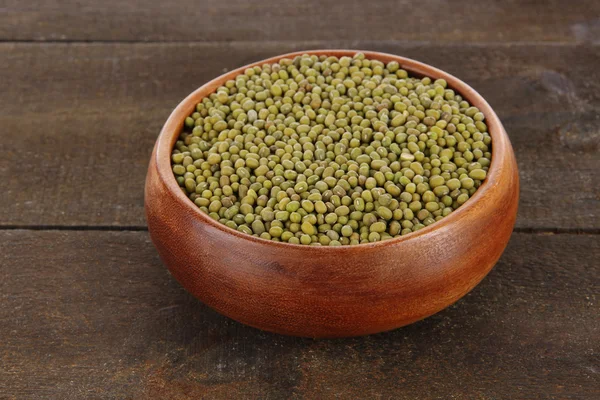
column 308, row 42
column 143, row 228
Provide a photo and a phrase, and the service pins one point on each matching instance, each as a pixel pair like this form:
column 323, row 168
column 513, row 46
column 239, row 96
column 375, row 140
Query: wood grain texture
column 78, row 121
column 96, row 315
column 262, row 20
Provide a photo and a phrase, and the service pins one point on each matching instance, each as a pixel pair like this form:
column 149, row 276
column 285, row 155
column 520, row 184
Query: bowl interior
column 172, row 128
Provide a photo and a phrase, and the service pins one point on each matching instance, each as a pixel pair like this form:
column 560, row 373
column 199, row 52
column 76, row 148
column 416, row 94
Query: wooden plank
column 262, row 20
column 96, row 315
column 78, row 122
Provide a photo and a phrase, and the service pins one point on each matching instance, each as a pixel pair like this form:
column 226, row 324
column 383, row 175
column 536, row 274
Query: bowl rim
column 170, row 132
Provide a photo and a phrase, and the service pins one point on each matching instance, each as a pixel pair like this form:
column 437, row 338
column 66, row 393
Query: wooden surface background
column 88, row 311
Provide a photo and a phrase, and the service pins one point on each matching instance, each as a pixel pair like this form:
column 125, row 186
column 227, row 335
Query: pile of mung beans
column 320, row 150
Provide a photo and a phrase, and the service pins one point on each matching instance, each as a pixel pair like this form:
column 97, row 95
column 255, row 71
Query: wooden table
column 87, row 310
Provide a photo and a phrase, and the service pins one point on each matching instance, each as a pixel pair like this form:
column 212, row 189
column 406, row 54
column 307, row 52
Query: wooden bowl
column 332, row 291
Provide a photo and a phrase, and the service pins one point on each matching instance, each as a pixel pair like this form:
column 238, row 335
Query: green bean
column 331, row 151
